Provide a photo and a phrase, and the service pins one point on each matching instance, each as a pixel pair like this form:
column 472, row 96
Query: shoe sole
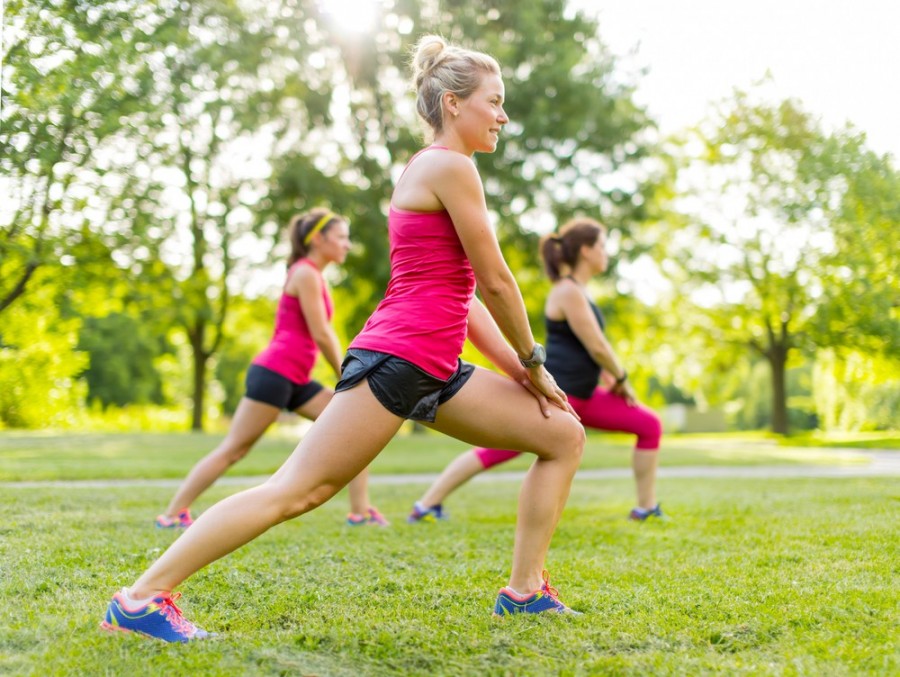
column 112, row 629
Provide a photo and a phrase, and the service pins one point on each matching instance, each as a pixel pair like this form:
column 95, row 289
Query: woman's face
column 334, row 244
column 596, row 255
column 481, row 116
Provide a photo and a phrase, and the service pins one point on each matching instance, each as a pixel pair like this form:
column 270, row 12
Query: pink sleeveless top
column 423, row 316
column 292, row 350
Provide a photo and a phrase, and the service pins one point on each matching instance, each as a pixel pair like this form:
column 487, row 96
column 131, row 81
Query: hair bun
column 429, row 51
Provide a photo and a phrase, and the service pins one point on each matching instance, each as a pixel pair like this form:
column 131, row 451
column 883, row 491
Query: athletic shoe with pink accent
column 181, row 521
column 544, row 600
column 371, row 518
column 159, row 618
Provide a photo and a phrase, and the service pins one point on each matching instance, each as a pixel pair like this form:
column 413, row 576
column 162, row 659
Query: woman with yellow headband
column 279, row 377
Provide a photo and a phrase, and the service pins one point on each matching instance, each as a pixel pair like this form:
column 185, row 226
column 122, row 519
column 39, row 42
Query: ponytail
column 564, row 248
column 551, row 252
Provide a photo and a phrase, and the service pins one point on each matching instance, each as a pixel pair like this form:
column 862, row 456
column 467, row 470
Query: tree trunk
column 200, row 359
column 778, row 362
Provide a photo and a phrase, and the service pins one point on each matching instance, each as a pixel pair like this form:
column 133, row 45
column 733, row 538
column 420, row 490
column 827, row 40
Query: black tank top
column 567, row 359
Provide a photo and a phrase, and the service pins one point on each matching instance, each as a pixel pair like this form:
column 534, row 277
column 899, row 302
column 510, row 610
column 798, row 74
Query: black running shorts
column 402, row 388
column 270, row 387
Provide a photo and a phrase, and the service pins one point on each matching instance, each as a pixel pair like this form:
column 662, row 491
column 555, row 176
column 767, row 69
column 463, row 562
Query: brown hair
column 439, row 68
column 564, row 247
column 301, row 228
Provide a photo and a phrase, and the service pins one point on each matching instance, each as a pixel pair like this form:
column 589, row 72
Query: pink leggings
column 603, row 411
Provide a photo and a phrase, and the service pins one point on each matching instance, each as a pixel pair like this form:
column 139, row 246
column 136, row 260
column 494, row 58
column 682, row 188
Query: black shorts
column 270, row 387
column 403, row 389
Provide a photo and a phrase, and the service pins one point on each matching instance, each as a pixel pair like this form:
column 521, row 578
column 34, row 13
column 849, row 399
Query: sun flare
column 352, row 16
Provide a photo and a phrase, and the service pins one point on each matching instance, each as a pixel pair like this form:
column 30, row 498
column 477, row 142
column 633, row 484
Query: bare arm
column 458, row 187
column 306, row 285
column 462, row 195
column 577, row 311
column 485, row 335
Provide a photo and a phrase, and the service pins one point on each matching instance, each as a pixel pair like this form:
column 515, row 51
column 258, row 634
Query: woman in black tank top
column 584, row 365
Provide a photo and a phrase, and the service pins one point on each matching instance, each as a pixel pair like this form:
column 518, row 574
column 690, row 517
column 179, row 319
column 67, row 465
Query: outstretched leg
column 348, row 435
column 516, row 422
column 459, row 471
column 250, row 421
column 358, row 487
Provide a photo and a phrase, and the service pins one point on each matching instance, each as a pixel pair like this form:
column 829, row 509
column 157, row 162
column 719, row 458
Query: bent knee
column 234, row 452
column 568, row 441
column 649, row 438
column 293, row 505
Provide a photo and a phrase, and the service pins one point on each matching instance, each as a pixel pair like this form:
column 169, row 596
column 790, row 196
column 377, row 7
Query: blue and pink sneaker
column 543, row 601
column 181, row 521
column 159, row 618
column 372, row 518
column 643, row 514
column 422, row 514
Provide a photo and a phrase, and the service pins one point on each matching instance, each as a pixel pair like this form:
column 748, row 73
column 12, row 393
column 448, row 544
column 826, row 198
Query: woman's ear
column 451, row 103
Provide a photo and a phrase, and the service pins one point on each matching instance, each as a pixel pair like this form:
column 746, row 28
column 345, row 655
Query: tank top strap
column 417, row 154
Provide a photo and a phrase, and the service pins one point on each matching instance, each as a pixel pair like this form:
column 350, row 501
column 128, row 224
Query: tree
column 71, row 74
column 199, row 157
column 761, row 189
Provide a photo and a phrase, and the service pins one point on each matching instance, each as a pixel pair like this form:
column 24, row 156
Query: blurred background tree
column 153, row 152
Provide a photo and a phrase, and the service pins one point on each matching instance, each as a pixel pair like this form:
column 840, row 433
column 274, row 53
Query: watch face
column 540, row 354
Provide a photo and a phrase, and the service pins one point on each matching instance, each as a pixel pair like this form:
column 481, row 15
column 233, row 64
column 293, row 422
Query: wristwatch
column 538, row 357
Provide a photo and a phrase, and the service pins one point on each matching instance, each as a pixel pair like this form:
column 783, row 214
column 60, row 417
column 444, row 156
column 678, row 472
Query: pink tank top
column 423, row 316
column 292, row 350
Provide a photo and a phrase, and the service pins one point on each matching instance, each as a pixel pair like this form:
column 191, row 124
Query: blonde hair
column 439, row 68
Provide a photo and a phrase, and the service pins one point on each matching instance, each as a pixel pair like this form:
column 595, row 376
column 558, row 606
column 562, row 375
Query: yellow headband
column 319, row 225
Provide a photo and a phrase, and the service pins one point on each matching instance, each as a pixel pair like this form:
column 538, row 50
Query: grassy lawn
column 775, row 577
column 873, row 440
column 35, row 456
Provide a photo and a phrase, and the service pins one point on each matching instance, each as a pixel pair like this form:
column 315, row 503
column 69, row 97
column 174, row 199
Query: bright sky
column 840, row 58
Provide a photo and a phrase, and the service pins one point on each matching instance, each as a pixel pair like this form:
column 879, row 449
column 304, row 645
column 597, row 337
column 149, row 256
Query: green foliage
column 72, row 73
column 250, row 324
column 39, row 362
column 856, row 391
column 120, row 372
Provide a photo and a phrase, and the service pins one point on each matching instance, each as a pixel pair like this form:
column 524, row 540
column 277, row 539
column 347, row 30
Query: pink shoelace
column 552, row 592
column 174, row 615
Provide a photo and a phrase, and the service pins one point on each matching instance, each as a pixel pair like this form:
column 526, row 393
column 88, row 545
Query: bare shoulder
column 434, row 180
column 564, row 299
column 302, row 277
column 446, row 164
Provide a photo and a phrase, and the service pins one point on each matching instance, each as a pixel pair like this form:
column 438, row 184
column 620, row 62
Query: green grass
column 776, row 577
column 872, row 440
column 36, row 456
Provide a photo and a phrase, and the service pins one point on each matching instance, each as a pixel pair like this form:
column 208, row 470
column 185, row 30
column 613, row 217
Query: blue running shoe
column 643, row 514
column 422, row 514
column 159, row 618
column 544, row 600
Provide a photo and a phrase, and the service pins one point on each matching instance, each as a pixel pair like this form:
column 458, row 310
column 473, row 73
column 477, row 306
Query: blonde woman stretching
column 405, row 365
